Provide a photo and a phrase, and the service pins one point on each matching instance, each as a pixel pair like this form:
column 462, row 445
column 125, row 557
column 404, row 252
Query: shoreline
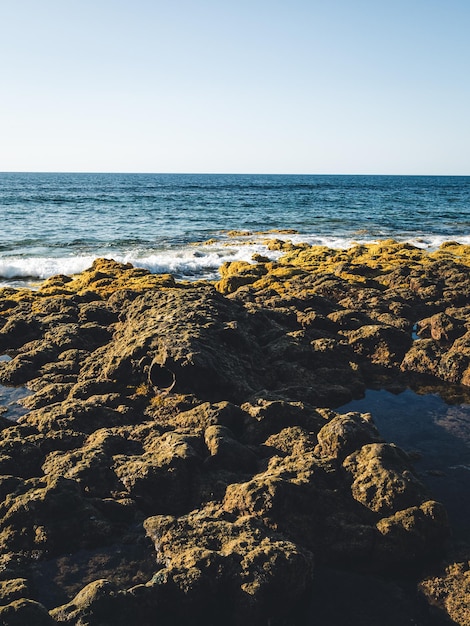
column 191, row 427
column 198, row 260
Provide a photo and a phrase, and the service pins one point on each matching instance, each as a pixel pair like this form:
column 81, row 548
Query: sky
column 249, row 86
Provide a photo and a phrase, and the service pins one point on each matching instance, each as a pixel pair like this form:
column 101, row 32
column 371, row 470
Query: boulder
column 228, row 453
column 382, row 345
column 94, row 605
column 232, row 570
column 442, row 328
column 449, row 591
column 415, row 534
column 383, row 479
column 25, row 612
column 162, row 479
column 50, row 517
column 345, row 434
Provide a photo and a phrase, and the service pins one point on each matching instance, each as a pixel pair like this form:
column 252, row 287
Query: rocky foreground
column 181, row 462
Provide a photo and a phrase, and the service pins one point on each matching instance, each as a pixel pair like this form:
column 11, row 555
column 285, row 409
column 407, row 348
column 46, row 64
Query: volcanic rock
column 204, row 414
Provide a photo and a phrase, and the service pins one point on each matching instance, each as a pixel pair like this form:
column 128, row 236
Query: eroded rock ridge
column 181, row 461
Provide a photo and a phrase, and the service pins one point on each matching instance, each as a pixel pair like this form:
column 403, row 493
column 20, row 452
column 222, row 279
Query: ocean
column 181, row 223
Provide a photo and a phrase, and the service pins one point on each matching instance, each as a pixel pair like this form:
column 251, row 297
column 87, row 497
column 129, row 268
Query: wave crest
column 185, row 262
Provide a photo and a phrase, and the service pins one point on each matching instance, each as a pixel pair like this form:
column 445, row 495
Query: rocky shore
column 180, row 459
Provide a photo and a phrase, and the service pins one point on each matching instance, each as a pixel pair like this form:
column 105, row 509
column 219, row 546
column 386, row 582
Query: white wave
column 190, row 261
column 187, row 262
column 426, row 241
column 432, row 242
column 42, row 267
column 202, row 260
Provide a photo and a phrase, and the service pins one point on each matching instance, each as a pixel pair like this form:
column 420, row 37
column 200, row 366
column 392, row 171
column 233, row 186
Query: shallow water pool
column 437, row 435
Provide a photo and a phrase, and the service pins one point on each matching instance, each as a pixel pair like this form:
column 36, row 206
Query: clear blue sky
column 298, row 86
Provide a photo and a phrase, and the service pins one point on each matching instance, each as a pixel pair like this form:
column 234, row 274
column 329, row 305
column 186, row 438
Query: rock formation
column 180, row 459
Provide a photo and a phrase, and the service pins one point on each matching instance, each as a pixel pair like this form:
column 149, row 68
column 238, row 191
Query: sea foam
column 189, row 262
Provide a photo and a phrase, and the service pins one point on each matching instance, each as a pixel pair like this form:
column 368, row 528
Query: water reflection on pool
column 438, row 436
column 10, row 397
column 9, row 402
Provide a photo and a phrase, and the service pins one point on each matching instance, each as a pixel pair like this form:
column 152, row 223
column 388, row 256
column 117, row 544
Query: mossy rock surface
column 193, row 424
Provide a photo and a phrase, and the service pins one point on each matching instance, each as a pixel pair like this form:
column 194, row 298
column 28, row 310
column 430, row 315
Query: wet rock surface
column 181, row 461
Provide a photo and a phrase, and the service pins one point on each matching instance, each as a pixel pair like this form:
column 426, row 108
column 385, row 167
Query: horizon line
column 151, row 173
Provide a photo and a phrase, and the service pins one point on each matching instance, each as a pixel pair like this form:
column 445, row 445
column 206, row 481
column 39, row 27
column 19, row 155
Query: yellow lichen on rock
column 238, row 233
column 380, row 257
column 235, row 274
column 102, row 279
column 451, row 591
column 361, row 264
column 453, row 251
column 105, row 277
column 232, row 268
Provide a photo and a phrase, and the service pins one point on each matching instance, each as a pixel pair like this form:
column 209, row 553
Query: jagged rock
column 452, row 364
column 309, row 503
column 161, row 479
column 423, row 358
column 49, row 516
column 383, row 479
column 345, row 434
column 200, row 354
column 19, row 329
column 204, row 414
column 48, row 394
column 228, row 453
column 25, row 612
column 415, row 534
column 349, row 319
column 94, row 605
column 201, row 406
column 441, row 327
column 291, row 441
column 233, row 570
column 91, row 465
column 13, row 589
column 268, row 417
column 83, row 416
column 383, row 345
column 450, row 591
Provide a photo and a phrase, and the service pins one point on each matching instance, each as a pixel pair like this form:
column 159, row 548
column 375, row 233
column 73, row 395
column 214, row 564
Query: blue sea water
column 59, row 223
